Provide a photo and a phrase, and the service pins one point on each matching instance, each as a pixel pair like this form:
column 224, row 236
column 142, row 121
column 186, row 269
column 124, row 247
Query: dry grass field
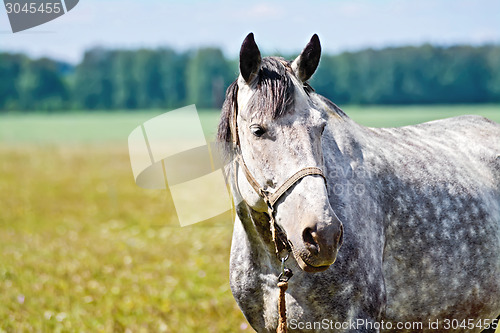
column 84, row 249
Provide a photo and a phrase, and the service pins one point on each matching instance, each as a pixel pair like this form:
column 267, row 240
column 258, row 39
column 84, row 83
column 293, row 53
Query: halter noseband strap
column 272, row 198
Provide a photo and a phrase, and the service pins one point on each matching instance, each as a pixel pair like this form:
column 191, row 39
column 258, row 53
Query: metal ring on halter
column 283, row 259
column 286, row 273
column 282, row 267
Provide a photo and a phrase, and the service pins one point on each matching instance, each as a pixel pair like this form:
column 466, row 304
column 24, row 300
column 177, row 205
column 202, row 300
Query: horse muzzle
column 318, row 245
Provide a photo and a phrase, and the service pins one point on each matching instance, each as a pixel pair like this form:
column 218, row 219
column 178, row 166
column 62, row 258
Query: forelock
column 274, row 92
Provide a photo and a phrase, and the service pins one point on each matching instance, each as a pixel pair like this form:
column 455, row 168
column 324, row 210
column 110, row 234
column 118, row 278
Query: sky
column 279, row 26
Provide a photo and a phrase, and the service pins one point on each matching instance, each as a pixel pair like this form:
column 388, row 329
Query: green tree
column 10, row 69
column 40, row 86
column 93, row 87
column 208, row 75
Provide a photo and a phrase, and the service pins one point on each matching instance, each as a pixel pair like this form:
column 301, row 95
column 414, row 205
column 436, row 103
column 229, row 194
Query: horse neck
column 354, row 160
column 344, row 151
column 343, row 146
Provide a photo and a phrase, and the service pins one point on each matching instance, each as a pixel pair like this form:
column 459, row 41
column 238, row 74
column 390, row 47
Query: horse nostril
column 310, row 240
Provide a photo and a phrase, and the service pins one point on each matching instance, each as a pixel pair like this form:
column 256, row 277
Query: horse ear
column 306, row 63
column 249, row 58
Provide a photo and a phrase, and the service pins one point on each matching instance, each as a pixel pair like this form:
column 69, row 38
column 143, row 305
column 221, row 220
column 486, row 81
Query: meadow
column 84, row 249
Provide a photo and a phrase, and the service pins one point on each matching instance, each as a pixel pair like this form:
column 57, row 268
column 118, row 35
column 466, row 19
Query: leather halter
column 270, row 198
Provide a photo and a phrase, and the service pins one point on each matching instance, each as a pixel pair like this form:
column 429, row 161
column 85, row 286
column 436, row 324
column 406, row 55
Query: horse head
column 276, row 129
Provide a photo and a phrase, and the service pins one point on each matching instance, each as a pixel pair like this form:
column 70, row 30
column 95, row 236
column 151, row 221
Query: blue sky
column 279, row 26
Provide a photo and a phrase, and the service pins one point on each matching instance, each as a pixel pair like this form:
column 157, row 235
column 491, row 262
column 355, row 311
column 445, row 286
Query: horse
column 387, row 229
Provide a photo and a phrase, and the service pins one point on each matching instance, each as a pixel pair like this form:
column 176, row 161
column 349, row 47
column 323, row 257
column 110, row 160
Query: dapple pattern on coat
column 420, row 207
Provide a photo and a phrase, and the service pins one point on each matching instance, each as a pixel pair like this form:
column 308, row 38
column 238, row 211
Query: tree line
column 164, row 78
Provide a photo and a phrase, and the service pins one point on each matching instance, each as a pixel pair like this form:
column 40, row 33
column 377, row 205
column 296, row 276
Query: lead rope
column 285, row 274
column 283, row 278
column 282, row 308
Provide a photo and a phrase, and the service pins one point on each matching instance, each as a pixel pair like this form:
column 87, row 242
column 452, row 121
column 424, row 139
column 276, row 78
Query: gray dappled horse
column 416, row 209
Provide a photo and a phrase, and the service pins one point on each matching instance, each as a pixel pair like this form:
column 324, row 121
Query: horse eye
column 257, row 130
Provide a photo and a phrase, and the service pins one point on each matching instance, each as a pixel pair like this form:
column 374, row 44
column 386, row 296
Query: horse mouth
column 307, row 267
